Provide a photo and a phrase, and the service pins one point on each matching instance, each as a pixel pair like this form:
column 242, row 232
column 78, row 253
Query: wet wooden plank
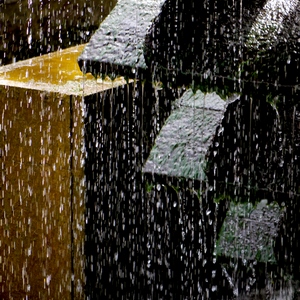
column 56, row 72
column 119, row 41
column 181, row 146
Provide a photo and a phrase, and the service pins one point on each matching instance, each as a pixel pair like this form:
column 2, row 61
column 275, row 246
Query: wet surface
column 250, row 47
column 55, row 72
column 41, row 190
column 180, row 149
column 179, row 181
column 246, row 52
column 120, row 39
column 249, row 232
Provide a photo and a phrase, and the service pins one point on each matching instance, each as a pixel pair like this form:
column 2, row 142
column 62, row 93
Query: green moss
column 175, row 188
column 149, row 187
column 240, row 236
column 221, row 198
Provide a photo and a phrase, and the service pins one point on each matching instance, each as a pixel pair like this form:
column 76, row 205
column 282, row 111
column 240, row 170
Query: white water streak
column 268, row 24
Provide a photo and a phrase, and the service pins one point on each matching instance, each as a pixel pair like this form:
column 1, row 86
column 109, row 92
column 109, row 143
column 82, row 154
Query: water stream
column 168, row 168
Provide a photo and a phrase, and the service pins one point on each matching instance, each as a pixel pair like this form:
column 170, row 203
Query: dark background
column 51, row 24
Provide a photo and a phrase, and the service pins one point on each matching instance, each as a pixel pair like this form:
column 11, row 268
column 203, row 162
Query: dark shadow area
column 120, row 128
column 152, row 236
column 29, row 29
column 200, row 43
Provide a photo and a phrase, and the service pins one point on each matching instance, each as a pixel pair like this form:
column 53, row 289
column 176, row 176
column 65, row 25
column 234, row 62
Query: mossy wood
column 181, row 147
column 117, row 47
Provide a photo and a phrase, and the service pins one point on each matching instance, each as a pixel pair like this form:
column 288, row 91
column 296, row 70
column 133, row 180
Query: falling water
column 167, row 167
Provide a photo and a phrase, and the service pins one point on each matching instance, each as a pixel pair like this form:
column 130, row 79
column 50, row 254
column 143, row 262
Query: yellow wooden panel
column 55, row 72
column 36, row 195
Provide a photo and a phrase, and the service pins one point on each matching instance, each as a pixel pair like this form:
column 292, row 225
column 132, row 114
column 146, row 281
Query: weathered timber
column 42, row 175
column 118, row 44
column 227, row 46
column 181, row 146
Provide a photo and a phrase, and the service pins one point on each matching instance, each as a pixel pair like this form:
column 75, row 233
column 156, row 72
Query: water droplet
column 48, row 279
